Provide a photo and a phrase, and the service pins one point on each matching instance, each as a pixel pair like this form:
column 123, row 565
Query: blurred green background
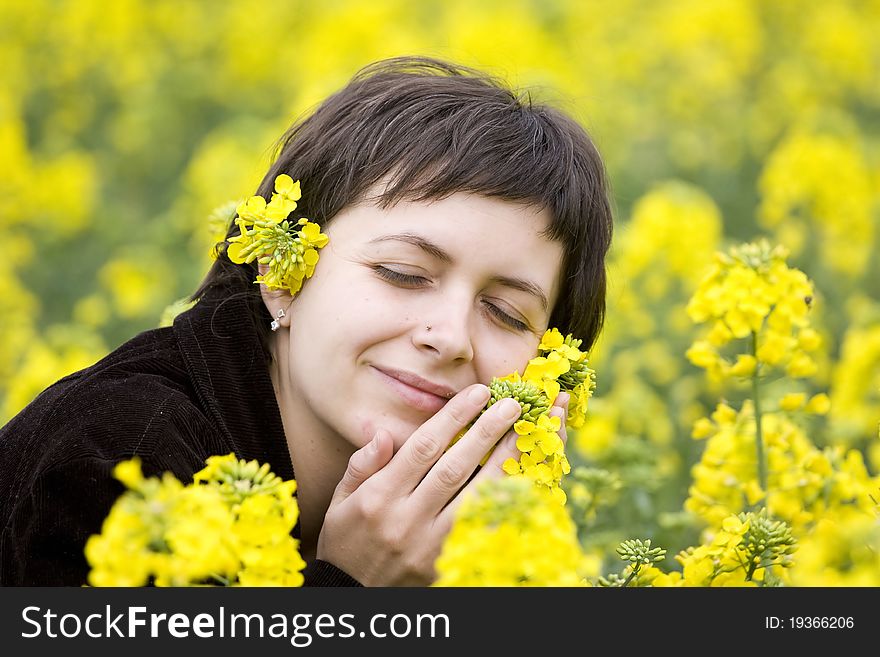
column 124, row 124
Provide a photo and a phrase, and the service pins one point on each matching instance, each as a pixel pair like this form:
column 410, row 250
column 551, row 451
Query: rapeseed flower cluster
column 750, row 292
column 267, row 237
column 843, row 549
column 516, row 531
column 749, row 549
column 638, row 429
column 511, row 533
column 560, row 366
column 640, row 558
column 803, row 481
column 230, row 527
column 765, row 460
column 774, row 507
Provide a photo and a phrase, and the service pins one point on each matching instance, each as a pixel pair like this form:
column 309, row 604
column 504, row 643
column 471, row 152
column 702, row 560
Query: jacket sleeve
column 43, row 541
column 323, row 573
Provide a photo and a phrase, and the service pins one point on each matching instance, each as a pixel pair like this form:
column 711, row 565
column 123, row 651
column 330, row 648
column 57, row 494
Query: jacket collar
column 230, row 373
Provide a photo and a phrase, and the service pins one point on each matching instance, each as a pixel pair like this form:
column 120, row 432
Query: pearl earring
column 274, row 325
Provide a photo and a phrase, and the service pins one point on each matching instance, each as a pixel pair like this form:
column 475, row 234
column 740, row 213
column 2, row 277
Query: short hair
column 431, row 128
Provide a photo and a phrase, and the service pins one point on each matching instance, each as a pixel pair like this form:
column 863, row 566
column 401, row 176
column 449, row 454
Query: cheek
column 500, row 359
column 361, row 307
column 337, row 314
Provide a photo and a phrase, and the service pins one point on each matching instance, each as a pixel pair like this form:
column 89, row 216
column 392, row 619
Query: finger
column 422, row 449
column 494, row 466
column 363, row 464
column 493, row 469
column 506, row 449
column 562, row 400
column 458, row 464
column 560, row 410
column 562, row 433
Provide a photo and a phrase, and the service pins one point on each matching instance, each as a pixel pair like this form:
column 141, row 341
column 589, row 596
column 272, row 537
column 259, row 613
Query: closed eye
column 410, row 280
column 399, row 278
column 502, row 316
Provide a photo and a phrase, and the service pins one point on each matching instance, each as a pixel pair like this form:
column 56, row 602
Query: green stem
column 752, row 567
column 222, row 581
column 759, row 436
column 632, row 574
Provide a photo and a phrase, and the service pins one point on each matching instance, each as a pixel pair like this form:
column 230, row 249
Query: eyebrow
column 435, row 251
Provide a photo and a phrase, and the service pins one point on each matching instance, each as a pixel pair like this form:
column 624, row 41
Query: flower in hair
column 288, row 249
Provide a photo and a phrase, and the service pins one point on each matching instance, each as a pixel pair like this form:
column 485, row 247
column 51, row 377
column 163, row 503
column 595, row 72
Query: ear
column 275, row 301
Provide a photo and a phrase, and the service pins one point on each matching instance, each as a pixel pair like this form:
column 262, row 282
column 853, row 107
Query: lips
column 414, row 390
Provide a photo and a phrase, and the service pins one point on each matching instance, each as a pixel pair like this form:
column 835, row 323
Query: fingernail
column 510, row 408
column 564, row 398
column 373, row 447
column 479, row 395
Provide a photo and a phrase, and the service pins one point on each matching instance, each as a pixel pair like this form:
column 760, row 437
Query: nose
column 445, row 330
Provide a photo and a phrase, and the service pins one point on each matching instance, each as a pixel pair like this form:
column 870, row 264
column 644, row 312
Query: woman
column 462, row 222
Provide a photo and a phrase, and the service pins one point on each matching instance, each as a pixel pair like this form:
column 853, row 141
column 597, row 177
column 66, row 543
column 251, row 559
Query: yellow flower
column 752, row 293
column 234, row 252
column 703, row 427
column 808, row 339
column 513, row 467
column 129, row 473
column 289, row 252
column 577, row 404
column 773, row 348
column 231, row 526
column 511, row 533
column 542, row 437
column 250, row 211
column 745, row 365
column 543, row 372
column 801, row 365
column 801, row 185
column 552, row 339
column 793, row 401
column 842, row 549
column 719, row 335
column 819, row 404
column 559, row 365
column 288, row 191
column 312, row 234
column 724, row 414
column 702, row 354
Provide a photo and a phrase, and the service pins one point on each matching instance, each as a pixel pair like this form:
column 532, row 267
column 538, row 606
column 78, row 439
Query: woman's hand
column 391, row 512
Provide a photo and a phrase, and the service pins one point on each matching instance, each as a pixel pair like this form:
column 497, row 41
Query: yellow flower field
column 732, row 436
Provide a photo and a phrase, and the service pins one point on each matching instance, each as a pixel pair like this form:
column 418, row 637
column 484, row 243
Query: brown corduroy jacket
column 172, row 396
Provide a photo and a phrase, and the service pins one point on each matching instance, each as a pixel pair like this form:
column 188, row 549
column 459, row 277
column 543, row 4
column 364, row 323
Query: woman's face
column 410, row 305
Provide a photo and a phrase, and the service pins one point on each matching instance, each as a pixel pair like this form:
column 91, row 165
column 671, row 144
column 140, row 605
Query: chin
column 399, row 429
column 399, row 438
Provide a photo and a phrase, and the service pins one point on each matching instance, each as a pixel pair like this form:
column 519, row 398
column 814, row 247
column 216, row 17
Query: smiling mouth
column 412, row 395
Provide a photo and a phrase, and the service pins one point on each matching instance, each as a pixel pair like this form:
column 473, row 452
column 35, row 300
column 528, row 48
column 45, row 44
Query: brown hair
column 434, row 128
